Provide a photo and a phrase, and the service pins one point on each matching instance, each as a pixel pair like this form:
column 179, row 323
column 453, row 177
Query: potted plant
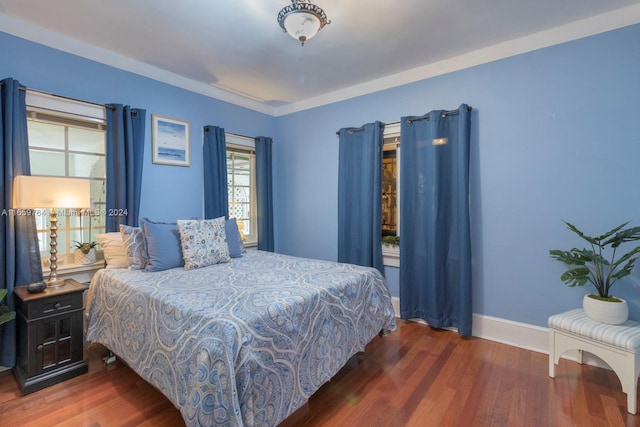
column 602, row 266
column 85, row 252
column 5, row 314
column 391, row 241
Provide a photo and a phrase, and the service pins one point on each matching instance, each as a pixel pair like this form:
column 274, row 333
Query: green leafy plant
column 5, row 314
column 85, row 247
column 391, row 240
column 599, row 265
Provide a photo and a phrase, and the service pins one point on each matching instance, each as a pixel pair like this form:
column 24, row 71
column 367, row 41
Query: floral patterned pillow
column 203, row 242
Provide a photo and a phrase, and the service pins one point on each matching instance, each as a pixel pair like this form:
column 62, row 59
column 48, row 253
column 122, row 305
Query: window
column 241, row 186
column 389, row 188
column 391, row 192
column 391, row 181
column 67, row 138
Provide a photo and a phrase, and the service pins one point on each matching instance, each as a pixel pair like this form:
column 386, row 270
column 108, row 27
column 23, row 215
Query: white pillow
column 113, row 249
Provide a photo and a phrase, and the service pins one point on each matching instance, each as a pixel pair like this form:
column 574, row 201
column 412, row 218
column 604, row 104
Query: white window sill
column 74, row 268
column 391, row 255
column 67, row 269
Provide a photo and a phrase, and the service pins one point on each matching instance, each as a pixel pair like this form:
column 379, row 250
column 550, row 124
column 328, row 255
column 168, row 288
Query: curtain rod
column 206, row 129
column 19, row 87
column 70, row 98
column 352, row 130
column 62, row 96
column 241, row 136
column 426, row 116
column 444, row 114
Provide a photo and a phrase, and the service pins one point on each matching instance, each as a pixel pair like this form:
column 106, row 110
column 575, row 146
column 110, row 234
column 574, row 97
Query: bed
column 241, row 343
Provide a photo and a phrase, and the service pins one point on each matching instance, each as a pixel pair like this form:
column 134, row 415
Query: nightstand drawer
column 53, row 305
column 51, row 301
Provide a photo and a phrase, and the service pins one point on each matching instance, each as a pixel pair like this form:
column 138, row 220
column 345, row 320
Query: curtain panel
column 19, row 249
column 435, row 246
column 360, row 195
column 264, row 193
column 125, row 154
column 216, row 196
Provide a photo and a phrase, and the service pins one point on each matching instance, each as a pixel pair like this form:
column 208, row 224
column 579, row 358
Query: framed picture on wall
column 170, row 141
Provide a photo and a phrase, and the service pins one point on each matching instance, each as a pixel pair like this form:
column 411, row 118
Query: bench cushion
column 626, row 335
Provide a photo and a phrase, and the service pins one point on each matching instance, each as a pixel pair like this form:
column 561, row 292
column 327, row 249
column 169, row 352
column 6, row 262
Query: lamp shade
column 302, row 25
column 302, row 19
column 31, row 192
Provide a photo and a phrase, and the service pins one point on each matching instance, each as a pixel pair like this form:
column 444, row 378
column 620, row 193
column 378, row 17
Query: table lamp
column 36, row 192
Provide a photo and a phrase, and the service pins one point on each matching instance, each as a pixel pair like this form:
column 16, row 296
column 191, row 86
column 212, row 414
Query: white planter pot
column 82, row 258
column 612, row 313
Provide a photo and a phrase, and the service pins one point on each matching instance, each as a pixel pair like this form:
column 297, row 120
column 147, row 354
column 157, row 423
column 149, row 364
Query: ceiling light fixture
column 302, row 20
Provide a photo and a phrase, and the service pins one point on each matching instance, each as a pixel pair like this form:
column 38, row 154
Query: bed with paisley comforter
column 243, row 343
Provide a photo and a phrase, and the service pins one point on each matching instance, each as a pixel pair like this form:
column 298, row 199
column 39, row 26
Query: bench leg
column 627, row 369
column 552, row 354
column 629, row 381
column 631, row 403
column 630, row 386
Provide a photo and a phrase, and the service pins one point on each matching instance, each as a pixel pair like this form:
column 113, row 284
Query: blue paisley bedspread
column 243, row 343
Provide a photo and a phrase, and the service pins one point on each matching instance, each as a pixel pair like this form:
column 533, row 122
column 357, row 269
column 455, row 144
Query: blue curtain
column 264, row 193
column 435, row 243
column 216, row 198
column 125, row 153
column 360, row 195
column 19, row 250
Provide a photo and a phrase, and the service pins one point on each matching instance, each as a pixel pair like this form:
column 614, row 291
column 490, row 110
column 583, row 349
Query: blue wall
column 168, row 192
column 555, row 137
column 550, row 142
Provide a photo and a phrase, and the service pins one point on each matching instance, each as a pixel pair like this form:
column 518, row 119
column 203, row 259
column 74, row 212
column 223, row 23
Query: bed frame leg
column 109, row 358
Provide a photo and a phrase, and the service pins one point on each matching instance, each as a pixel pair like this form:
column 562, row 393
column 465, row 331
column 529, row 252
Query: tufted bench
column 617, row 345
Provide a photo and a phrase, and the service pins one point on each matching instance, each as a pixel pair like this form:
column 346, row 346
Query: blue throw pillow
column 234, row 241
column 163, row 245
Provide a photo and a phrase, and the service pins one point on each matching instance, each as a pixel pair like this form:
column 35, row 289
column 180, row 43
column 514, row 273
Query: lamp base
column 54, row 283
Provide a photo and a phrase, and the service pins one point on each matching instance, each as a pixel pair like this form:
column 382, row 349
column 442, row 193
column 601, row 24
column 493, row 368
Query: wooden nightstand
column 50, row 335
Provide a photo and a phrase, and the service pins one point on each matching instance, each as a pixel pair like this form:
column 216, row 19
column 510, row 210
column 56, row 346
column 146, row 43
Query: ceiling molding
column 61, row 42
column 579, row 29
column 562, row 34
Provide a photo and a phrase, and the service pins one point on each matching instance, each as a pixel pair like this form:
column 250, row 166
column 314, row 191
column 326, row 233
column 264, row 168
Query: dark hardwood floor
column 416, row 376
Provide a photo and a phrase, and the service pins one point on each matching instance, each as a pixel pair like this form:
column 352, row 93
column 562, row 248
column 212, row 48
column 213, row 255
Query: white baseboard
column 522, row 335
column 395, row 302
column 517, row 334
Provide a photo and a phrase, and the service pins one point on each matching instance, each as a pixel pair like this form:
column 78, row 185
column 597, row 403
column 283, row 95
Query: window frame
column 48, row 108
column 391, row 254
column 245, row 144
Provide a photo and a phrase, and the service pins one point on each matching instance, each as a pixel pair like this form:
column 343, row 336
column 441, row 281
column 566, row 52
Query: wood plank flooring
column 416, row 376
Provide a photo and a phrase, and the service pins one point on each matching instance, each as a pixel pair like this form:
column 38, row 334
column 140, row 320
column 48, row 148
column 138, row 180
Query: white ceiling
column 235, row 50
